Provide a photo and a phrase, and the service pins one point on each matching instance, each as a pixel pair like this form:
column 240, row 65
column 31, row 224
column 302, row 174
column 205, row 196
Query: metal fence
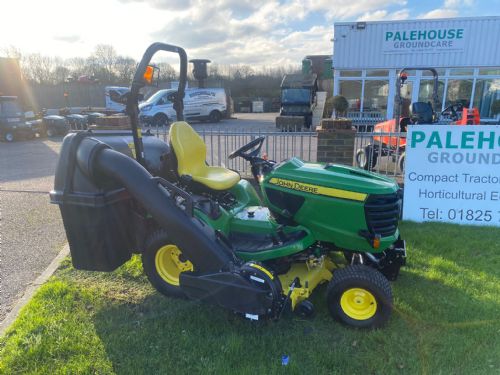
column 383, row 153
column 278, row 146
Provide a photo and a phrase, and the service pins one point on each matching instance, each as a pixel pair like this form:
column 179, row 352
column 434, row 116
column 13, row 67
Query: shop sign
column 430, row 40
column 452, row 174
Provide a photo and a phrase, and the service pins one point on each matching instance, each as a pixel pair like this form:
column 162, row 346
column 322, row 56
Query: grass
column 446, row 321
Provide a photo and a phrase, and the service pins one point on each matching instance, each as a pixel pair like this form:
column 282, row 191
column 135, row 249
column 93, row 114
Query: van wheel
column 50, row 132
column 9, row 137
column 163, row 262
column 160, row 119
column 214, row 116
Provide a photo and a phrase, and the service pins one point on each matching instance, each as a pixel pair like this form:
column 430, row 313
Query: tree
column 167, row 72
column 124, row 69
column 340, row 104
column 38, row 68
column 104, row 57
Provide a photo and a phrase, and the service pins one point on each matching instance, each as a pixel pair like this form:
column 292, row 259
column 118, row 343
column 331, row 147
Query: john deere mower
column 206, row 234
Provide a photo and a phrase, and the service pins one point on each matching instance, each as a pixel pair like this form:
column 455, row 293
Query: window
column 489, row 72
column 377, row 73
column 459, row 91
column 427, row 73
column 375, row 96
column 10, row 108
column 351, row 90
column 426, row 89
column 350, row 73
column 486, row 92
column 295, row 96
column 462, row 72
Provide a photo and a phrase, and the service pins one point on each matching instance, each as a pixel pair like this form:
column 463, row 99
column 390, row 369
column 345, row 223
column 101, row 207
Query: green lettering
column 490, row 140
column 404, row 35
column 397, row 36
column 388, row 35
column 422, row 34
column 460, row 33
column 413, row 35
column 467, row 138
column 431, row 34
column 435, row 140
column 451, row 34
column 417, row 137
column 448, row 141
column 442, row 34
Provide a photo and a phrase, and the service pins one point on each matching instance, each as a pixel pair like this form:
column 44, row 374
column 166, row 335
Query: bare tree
column 38, row 68
column 105, row 57
column 124, row 69
column 167, row 73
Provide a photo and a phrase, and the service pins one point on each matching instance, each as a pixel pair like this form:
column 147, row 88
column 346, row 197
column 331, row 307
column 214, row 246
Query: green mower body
column 204, row 233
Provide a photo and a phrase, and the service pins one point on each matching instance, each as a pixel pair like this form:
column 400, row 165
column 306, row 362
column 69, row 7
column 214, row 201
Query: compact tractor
column 392, row 145
column 206, row 234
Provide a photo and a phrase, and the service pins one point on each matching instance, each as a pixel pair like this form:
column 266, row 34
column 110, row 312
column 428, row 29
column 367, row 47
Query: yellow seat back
column 189, row 149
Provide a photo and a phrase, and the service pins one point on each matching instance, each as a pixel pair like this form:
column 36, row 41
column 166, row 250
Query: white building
column 465, row 52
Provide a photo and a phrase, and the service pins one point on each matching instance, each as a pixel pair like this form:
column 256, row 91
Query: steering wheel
column 452, row 111
column 254, row 145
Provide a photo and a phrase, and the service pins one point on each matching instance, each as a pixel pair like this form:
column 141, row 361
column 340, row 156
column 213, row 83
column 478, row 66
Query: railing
column 382, row 153
column 364, row 121
column 278, row 146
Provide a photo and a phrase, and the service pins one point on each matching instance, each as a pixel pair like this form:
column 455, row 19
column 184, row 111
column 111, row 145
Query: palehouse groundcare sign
column 424, row 40
column 452, row 174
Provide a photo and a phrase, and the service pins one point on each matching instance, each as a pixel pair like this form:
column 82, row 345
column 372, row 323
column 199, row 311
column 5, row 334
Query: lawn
column 446, row 321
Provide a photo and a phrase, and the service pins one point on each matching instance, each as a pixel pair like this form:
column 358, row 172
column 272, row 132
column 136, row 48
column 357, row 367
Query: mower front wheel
column 163, row 262
column 359, row 296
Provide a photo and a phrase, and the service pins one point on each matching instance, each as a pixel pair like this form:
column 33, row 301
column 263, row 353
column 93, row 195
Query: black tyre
column 359, row 296
column 160, row 119
column 401, row 162
column 9, row 137
column 163, row 263
column 215, row 116
column 51, row 132
column 366, row 158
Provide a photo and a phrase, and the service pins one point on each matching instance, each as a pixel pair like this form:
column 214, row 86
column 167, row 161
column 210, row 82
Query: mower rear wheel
column 163, row 263
column 359, row 296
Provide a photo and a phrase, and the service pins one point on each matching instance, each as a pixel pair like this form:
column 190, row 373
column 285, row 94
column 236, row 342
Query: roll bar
column 399, row 81
column 132, row 108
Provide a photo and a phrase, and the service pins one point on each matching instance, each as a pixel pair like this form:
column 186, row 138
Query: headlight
column 146, row 108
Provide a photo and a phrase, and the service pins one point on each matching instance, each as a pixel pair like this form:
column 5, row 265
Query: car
column 199, row 104
column 13, row 124
column 55, row 125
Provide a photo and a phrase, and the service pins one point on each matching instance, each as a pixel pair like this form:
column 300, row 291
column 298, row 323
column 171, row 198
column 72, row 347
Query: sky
column 255, row 32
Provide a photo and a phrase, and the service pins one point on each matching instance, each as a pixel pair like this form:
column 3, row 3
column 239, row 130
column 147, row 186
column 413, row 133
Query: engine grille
column 382, row 214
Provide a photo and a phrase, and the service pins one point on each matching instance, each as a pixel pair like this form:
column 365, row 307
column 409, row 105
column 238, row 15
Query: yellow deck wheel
column 358, row 303
column 169, row 265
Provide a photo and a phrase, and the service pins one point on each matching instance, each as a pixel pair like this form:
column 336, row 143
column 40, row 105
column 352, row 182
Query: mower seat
column 191, row 153
column 422, row 113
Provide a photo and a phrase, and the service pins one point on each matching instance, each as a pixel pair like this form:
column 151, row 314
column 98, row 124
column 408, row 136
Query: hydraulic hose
column 197, row 241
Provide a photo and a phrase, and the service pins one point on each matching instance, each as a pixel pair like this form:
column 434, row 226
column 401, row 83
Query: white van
column 112, row 93
column 199, row 104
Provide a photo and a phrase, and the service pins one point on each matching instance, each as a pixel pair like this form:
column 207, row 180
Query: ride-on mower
column 389, row 144
column 206, row 234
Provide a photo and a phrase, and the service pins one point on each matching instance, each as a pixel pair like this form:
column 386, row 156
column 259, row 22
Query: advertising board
column 452, row 174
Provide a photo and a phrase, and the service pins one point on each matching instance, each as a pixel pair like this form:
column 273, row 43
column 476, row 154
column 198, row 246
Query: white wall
column 469, row 42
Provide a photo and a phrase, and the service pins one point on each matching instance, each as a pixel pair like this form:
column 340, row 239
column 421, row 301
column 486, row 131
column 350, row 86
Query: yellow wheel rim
column 168, row 264
column 358, row 303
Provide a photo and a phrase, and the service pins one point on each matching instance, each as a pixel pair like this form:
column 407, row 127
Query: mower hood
column 334, row 176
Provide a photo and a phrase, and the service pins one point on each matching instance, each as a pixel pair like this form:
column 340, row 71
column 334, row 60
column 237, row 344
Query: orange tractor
column 390, row 143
